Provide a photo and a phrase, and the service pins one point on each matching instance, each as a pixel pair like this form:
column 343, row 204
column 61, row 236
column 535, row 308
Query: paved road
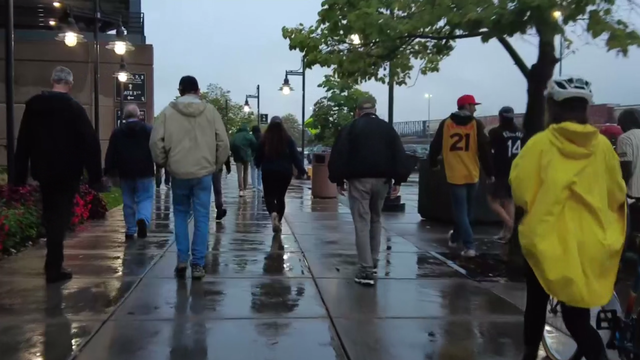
column 264, row 297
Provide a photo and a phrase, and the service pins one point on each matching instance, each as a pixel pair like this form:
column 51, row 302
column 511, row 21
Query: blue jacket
column 284, row 163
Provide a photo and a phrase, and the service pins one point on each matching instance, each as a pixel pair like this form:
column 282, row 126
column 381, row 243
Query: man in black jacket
column 57, row 139
column 129, row 158
column 368, row 153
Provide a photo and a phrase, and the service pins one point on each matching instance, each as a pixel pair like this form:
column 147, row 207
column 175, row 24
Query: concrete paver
column 264, row 297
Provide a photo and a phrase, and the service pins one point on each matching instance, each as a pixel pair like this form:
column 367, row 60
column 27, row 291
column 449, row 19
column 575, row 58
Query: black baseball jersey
column 506, row 142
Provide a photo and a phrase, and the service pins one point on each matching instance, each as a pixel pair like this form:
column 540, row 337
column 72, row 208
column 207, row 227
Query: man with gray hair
column 129, row 158
column 368, row 154
column 57, row 143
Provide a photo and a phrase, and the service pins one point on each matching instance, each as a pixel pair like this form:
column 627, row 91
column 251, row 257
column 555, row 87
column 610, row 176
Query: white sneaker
column 241, row 193
column 275, row 223
column 468, row 253
column 450, row 237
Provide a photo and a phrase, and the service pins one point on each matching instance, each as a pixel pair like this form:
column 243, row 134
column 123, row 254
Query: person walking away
column 57, row 142
column 221, row 212
column 506, row 142
column 368, row 154
column 129, row 158
column 243, row 145
column 628, row 148
column 167, row 177
column 256, row 176
column 567, row 180
column 464, row 146
column 190, row 140
column 276, row 156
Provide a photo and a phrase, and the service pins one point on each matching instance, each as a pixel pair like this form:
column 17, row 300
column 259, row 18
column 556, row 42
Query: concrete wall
column 34, row 62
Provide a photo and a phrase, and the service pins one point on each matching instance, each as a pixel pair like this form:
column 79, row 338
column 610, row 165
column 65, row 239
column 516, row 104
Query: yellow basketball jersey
column 460, row 152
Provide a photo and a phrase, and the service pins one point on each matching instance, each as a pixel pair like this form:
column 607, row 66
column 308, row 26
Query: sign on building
column 264, row 119
column 143, row 117
column 135, row 90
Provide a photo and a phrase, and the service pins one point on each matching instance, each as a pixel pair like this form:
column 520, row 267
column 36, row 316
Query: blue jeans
column 462, row 205
column 256, row 176
column 192, row 195
column 137, row 200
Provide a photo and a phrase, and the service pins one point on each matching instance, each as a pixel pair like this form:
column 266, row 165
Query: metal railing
column 418, row 128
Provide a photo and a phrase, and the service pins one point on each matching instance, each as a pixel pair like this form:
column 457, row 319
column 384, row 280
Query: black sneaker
column 142, row 228
column 220, row 214
column 181, row 271
column 365, row 277
column 197, row 272
column 58, row 276
column 129, row 236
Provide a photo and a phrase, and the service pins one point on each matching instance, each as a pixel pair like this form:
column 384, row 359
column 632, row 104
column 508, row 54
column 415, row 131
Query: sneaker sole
column 364, row 281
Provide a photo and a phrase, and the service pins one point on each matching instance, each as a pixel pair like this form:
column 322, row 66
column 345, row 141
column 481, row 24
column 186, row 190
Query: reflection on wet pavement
column 264, row 296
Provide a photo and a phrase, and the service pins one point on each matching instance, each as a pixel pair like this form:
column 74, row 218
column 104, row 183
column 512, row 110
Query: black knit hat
column 188, row 84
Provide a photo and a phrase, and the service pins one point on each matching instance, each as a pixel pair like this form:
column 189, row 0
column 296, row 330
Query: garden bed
column 21, row 210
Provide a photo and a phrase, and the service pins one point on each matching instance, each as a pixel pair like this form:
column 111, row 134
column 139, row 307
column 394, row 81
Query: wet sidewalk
column 264, row 297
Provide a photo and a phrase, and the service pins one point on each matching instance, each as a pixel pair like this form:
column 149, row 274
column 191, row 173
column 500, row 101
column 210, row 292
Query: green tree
column 232, row 112
column 373, row 40
column 359, row 38
column 336, row 109
column 293, row 126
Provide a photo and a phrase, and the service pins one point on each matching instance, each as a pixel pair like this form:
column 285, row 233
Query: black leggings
column 275, row 185
column 576, row 320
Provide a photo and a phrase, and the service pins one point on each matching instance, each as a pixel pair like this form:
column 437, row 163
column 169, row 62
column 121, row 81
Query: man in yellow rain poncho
column 569, row 183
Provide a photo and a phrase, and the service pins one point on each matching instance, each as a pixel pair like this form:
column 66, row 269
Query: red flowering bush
column 20, row 214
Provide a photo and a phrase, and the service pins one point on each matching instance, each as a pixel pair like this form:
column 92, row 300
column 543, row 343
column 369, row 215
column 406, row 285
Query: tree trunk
column 534, row 118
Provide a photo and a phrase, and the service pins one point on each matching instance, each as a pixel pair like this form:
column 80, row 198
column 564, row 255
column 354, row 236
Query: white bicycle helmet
column 567, row 87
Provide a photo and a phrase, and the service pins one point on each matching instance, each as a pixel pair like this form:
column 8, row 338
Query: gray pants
column 366, row 197
column 243, row 175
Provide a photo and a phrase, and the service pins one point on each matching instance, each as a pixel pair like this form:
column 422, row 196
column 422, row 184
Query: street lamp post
column 428, row 96
column 123, row 77
column 8, row 83
column 256, row 96
column 286, row 90
column 96, row 68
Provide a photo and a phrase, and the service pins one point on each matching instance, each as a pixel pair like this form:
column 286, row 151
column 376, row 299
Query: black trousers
column 57, row 207
column 576, row 320
column 216, row 179
column 167, row 176
column 275, row 185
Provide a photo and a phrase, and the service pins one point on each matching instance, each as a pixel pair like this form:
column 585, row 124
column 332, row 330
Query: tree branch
column 449, row 37
column 514, row 55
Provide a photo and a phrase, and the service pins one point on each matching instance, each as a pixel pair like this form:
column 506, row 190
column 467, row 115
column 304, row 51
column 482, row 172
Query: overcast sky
column 238, row 44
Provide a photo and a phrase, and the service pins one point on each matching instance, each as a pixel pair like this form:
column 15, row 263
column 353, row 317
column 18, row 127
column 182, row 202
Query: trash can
column 434, row 198
column 321, row 187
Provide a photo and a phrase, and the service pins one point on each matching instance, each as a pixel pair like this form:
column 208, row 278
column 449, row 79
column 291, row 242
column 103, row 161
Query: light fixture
column 71, row 35
column 53, row 22
column 123, row 75
column 428, row 96
column 557, row 14
column 120, row 45
column 57, row 4
column 247, row 107
column 286, row 86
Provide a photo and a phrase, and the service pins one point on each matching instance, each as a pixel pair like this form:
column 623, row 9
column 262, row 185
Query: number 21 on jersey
column 460, row 142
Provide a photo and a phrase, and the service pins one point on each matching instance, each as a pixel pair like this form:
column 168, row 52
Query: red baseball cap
column 611, row 131
column 467, row 100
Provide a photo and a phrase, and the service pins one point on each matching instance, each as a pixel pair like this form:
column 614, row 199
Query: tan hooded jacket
column 189, row 138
